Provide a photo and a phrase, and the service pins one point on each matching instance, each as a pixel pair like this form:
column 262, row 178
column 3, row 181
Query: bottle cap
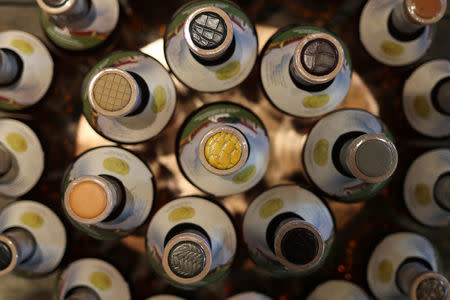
column 372, row 158
column 318, row 58
column 9, row 256
column 298, row 245
column 187, row 258
column 114, row 92
column 425, row 12
column 57, row 7
column 430, row 286
column 442, row 191
column 223, row 150
column 208, row 32
column 89, row 199
column 441, row 94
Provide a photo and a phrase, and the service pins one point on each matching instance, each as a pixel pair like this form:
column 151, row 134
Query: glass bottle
column 78, row 24
column 191, row 242
column 223, row 149
column 288, row 231
column 350, row 155
column 214, row 40
column 26, row 70
column 404, row 266
column 425, row 99
column 305, row 71
column 32, row 239
column 108, row 192
column 398, row 33
column 91, row 279
column 21, row 158
column 340, row 289
column 128, row 97
column 427, row 188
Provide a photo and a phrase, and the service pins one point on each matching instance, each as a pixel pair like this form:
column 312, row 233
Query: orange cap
column 88, row 199
column 427, row 9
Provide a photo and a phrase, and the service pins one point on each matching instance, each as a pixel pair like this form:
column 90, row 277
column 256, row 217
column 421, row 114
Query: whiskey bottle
column 288, row 231
column 350, row 155
column 128, row 97
column 214, row 40
column 398, row 33
column 305, row 71
column 108, row 192
column 79, row 24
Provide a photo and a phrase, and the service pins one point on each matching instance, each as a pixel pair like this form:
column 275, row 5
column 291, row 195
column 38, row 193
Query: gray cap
column 208, row 30
column 319, row 57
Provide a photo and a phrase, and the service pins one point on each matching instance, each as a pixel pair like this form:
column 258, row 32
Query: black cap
column 431, row 289
column 374, row 158
column 441, row 96
column 186, row 259
column 5, row 256
column 299, row 246
column 319, row 57
column 208, row 30
column 55, row 3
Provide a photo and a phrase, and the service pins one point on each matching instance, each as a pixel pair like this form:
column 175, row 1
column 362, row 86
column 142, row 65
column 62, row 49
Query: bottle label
column 104, row 15
column 156, row 114
column 379, row 42
column 28, row 156
column 419, row 187
column 47, row 230
column 273, row 202
column 211, row 78
column 135, row 176
column 318, row 159
column 248, row 124
column 340, row 289
column 37, row 70
column 280, row 87
column 388, row 257
column 96, row 274
column 200, row 212
column 417, row 99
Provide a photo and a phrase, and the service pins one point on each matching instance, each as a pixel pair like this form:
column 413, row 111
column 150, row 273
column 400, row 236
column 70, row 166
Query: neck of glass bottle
column 19, row 245
column 9, row 68
column 8, row 165
column 82, row 293
column 402, row 22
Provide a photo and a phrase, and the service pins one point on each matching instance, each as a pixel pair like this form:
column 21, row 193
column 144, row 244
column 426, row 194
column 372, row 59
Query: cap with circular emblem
column 64, row 7
column 114, row 92
column 187, row 257
column 90, row 199
column 223, row 150
column 442, row 191
column 370, row 157
column 440, row 96
column 317, row 59
column 9, row 67
column 298, row 245
column 425, row 12
column 208, row 32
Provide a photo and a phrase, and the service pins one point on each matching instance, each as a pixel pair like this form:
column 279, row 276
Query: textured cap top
column 5, row 256
column 186, row 259
column 55, row 3
column 431, row 289
column 88, row 199
column 374, row 158
column 319, row 57
column 427, row 9
column 112, row 91
column 442, row 190
column 223, row 150
column 442, row 95
column 299, row 246
column 208, row 30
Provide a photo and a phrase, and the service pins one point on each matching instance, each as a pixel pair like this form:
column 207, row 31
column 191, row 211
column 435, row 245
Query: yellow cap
column 88, row 199
column 223, row 150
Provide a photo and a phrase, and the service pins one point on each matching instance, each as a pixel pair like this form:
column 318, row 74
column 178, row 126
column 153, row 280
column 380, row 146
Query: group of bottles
column 223, row 148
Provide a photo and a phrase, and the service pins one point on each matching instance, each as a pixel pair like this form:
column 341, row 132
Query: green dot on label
column 315, row 101
column 159, row 99
column 422, row 194
column 392, row 48
column 228, row 71
column 100, row 280
column 116, row 165
column 385, row 270
column 421, row 106
column 245, row 175
column 321, row 152
column 17, row 142
column 32, row 219
column 269, row 208
column 181, row 213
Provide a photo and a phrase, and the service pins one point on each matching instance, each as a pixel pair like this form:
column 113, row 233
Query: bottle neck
column 16, row 246
column 9, row 68
column 402, row 22
column 8, row 165
column 71, row 13
column 81, row 293
column 417, row 281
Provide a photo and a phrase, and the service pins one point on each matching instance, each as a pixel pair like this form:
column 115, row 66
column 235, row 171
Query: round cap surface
column 431, row 289
column 5, row 256
column 186, row 259
column 442, row 190
column 112, row 91
column 223, row 150
column 88, row 199
column 299, row 246
column 374, row 158
column 319, row 57
column 427, row 9
column 208, row 30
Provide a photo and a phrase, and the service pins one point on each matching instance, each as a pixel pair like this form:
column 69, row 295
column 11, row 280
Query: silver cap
column 16, row 245
column 298, row 245
column 64, row 7
column 208, row 32
column 370, row 157
column 187, row 257
column 317, row 59
column 101, row 206
column 114, row 92
column 8, row 67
